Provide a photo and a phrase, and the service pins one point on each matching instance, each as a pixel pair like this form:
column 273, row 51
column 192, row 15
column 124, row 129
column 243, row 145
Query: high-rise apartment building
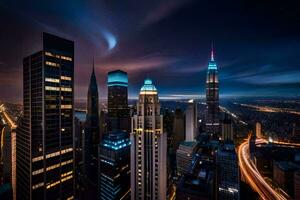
column 148, row 147
column 45, row 152
column 212, row 98
column 114, row 166
column 117, row 101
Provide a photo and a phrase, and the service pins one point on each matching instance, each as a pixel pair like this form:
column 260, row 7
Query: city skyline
column 256, row 44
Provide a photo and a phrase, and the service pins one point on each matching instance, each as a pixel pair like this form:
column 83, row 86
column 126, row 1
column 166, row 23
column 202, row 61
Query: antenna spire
column 212, row 52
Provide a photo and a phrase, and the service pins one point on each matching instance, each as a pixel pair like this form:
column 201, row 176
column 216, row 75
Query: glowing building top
column 212, row 65
column 148, row 87
column 117, row 78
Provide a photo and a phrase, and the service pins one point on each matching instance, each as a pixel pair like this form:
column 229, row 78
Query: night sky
column 257, row 43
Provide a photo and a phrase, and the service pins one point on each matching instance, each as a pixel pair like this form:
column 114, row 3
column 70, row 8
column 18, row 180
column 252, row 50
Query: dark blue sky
column 257, row 43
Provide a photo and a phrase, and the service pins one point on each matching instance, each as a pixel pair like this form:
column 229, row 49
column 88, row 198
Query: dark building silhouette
column 178, row 128
column 79, row 122
column 117, row 101
column 228, row 179
column 92, row 133
column 212, row 98
column 227, row 129
column 45, row 152
column 114, row 166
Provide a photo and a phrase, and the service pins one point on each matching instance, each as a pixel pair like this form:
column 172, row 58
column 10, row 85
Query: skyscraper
column 45, row 156
column 92, row 132
column 117, row 101
column 228, row 179
column 227, row 130
column 184, row 156
column 191, row 128
column 114, row 166
column 178, row 128
column 258, row 130
column 212, row 98
column 148, row 147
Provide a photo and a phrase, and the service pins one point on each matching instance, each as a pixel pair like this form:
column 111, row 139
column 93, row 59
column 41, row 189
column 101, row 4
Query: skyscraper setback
column 45, row 157
column 148, row 147
column 212, row 98
column 92, row 132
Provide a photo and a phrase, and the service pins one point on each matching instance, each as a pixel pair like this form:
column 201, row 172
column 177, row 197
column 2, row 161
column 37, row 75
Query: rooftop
column 148, row 87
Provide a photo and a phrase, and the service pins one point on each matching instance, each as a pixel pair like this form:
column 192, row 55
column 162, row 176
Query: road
column 253, row 176
column 7, row 118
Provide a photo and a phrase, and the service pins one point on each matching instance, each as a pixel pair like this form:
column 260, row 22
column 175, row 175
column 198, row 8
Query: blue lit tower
column 212, row 98
column 117, row 101
column 148, row 147
column 114, row 166
column 92, row 131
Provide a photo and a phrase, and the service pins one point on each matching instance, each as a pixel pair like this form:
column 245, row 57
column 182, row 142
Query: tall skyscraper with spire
column 148, row 147
column 212, row 98
column 92, row 131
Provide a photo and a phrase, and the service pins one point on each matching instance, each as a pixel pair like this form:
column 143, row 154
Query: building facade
column 212, row 98
column 228, row 178
column 114, row 166
column 227, row 129
column 184, row 157
column 45, row 153
column 191, row 122
column 148, row 147
column 117, row 101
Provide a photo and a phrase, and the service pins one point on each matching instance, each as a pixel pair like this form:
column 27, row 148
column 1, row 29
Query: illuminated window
column 59, row 164
column 66, row 106
column 52, row 64
column 50, row 88
column 66, row 89
column 49, row 54
column 66, row 174
column 37, row 185
column 66, row 78
column 66, row 58
column 59, row 152
column 37, row 171
column 37, row 159
column 52, row 80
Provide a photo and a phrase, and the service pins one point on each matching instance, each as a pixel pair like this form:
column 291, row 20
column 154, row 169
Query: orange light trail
column 253, row 176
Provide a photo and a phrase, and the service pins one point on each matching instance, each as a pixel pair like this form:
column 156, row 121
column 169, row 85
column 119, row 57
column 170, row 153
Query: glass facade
column 114, row 166
column 45, row 134
column 117, row 101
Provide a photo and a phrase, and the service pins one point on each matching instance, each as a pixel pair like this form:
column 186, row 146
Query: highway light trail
column 7, row 117
column 253, row 177
column 271, row 109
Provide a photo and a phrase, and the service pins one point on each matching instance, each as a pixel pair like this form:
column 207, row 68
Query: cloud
column 139, row 64
column 163, row 10
column 282, row 78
